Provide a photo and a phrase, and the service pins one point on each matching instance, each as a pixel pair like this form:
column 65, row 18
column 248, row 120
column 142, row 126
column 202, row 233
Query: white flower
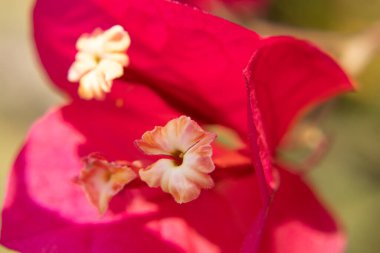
column 186, row 171
column 101, row 180
column 101, row 58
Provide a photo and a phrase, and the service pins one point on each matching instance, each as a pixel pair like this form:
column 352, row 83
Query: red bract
column 195, row 62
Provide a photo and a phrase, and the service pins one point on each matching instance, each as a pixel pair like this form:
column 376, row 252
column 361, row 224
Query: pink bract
column 183, row 61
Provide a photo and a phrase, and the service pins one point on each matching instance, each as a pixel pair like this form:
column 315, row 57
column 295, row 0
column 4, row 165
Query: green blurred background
column 348, row 178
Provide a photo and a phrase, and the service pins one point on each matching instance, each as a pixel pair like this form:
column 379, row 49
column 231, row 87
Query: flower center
column 97, row 58
column 178, row 157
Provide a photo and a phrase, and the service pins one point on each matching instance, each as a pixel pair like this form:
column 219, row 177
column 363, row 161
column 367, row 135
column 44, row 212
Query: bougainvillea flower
column 101, row 58
column 102, row 180
column 187, row 172
column 182, row 62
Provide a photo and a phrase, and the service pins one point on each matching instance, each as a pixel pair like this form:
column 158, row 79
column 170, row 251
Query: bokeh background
column 348, row 178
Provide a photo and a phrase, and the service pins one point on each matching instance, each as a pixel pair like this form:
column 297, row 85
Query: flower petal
column 199, row 155
column 288, row 75
column 122, row 59
column 298, row 222
column 178, row 135
column 93, row 85
column 172, row 179
column 111, row 69
column 183, row 182
column 117, row 39
column 284, row 77
column 82, row 65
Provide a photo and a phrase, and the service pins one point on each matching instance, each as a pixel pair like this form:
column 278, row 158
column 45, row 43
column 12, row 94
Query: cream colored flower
column 101, row 58
column 186, row 171
column 101, row 180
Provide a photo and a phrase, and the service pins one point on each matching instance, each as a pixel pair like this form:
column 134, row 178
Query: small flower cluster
column 183, row 173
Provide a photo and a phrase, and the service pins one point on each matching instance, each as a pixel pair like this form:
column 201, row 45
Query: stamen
column 101, row 58
column 101, row 180
column 185, row 142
